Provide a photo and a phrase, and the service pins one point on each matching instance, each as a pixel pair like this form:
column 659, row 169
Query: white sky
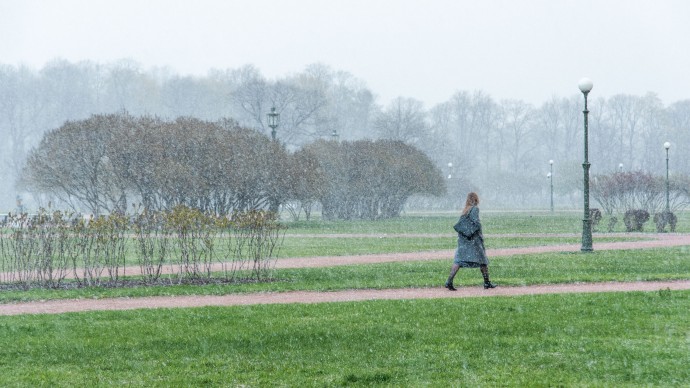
column 424, row 49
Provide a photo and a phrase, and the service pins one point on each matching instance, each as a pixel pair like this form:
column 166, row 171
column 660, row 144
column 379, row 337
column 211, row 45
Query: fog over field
column 488, row 90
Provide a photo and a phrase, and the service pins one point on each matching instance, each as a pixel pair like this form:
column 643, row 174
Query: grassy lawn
column 492, row 222
column 610, row 339
column 550, row 268
column 521, row 222
column 328, row 246
column 617, row 339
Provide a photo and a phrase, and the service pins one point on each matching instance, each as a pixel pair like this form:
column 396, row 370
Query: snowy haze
column 427, row 50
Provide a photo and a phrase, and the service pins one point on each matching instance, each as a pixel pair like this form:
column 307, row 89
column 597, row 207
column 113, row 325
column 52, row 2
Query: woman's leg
column 485, row 274
column 453, row 271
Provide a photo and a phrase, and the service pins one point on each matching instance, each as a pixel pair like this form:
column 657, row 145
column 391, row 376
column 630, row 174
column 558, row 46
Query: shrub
column 368, row 179
column 256, row 238
column 595, row 217
column 634, row 220
column 47, row 249
column 665, row 218
column 612, row 223
column 620, row 192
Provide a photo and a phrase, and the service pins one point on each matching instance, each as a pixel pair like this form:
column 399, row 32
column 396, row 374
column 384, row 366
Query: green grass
column 616, row 339
column 344, row 246
column 312, row 246
column 497, row 222
column 493, row 222
column 550, row 268
column 610, row 339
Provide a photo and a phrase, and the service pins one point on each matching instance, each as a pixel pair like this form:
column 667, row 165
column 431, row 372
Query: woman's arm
column 474, row 215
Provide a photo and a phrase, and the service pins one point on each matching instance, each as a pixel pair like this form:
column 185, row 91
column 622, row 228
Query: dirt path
column 65, row 306
column 75, row 305
column 655, row 241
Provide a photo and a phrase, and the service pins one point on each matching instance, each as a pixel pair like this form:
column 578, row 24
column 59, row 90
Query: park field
column 609, row 339
column 493, row 222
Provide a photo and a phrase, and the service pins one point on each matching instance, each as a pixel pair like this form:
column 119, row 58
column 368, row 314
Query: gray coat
column 471, row 252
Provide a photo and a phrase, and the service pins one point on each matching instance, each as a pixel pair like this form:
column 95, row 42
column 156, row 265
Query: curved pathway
column 655, row 241
column 75, row 305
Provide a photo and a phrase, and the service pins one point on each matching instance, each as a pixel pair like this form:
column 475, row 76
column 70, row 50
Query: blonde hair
column 472, row 200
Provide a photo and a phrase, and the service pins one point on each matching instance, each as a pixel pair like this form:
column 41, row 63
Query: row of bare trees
column 178, row 246
column 500, row 147
column 504, row 147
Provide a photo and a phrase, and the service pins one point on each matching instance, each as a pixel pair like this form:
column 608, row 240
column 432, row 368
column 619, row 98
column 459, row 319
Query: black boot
column 449, row 282
column 485, row 275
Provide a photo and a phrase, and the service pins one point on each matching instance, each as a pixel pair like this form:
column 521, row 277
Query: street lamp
column 585, row 86
column 450, row 170
column 667, row 145
column 273, row 121
column 335, row 135
column 551, row 182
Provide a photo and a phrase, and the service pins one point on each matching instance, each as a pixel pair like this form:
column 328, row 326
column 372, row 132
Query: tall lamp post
column 273, row 121
column 585, row 86
column 667, row 145
column 551, row 182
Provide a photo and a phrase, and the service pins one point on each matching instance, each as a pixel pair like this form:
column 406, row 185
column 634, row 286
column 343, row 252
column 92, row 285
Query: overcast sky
column 424, row 49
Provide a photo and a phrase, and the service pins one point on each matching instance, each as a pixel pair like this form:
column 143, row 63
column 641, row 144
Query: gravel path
column 65, row 306
column 655, row 241
column 75, row 305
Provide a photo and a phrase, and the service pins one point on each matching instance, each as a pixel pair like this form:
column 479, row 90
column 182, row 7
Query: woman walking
column 470, row 252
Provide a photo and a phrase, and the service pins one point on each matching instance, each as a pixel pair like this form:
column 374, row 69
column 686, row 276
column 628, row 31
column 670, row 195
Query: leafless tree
column 517, row 131
column 404, row 119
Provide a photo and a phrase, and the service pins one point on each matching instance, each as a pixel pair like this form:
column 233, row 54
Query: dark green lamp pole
column 585, row 86
column 551, row 182
column 273, row 121
column 667, row 145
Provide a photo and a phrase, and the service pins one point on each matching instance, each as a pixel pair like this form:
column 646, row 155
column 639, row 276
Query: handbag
column 466, row 227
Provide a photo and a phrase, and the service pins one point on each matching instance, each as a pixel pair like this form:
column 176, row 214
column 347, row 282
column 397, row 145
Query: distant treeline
column 500, row 148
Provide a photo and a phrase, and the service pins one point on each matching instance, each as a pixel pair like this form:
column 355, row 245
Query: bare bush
column 595, row 217
column 48, row 250
column 612, row 223
column 194, row 234
column 665, row 218
column 635, row 219
column 152, row 244
column 37, row 249
column 257, row 235
column 623, row 191
column 102, row 252
column 367, row 179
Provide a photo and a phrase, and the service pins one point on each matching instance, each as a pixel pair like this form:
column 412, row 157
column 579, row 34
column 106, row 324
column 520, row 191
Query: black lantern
column 273, row 121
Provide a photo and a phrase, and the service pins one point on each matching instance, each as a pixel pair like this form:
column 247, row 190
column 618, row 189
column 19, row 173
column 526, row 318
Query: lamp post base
column 587, row 236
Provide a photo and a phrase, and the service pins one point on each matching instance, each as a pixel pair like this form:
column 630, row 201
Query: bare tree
column 370, row 179
column 72, row 163
column 679, row 130
column 516, row 130
column 404, row 119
